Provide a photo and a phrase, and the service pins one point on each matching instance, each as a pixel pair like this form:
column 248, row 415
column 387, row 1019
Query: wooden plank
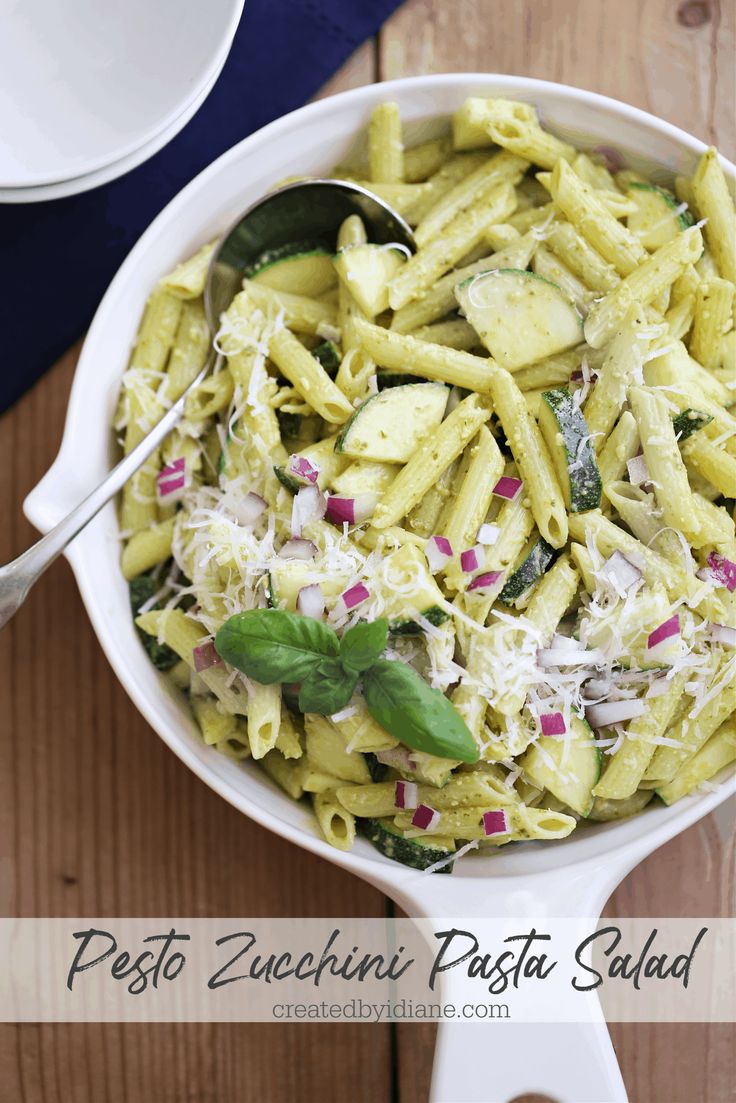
column 98, row 818
column 677, row 62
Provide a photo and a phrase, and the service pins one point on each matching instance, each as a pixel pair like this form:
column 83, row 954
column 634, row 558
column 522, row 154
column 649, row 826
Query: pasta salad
column 447, row 545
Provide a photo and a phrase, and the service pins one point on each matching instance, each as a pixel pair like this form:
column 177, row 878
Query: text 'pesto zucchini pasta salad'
column 447, row 546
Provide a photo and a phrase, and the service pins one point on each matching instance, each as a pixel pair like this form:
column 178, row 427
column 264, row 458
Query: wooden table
column 97, row 817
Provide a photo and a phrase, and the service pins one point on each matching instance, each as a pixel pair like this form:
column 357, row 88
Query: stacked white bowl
column 91, row 88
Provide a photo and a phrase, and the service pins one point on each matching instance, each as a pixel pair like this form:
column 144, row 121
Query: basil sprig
column 271, row 645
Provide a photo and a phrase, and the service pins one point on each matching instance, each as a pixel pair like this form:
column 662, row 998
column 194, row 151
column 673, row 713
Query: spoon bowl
column 310, row 210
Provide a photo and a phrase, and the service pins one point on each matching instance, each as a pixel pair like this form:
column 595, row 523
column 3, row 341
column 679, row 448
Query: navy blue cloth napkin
column 57, row 258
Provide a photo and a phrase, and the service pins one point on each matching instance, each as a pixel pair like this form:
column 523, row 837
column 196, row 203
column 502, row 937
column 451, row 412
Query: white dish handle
column 496, row 1062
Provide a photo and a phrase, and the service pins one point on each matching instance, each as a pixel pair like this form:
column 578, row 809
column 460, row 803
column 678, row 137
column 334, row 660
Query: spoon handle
column 17, row 577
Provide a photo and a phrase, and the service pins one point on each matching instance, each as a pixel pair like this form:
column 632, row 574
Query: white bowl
column 77, row 184
column 86, row 83
column 570, row 877
column 309, row 140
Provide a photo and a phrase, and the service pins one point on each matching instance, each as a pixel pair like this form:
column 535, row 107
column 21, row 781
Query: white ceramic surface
column 84, row 83
column 571, row 877
column 77, row 184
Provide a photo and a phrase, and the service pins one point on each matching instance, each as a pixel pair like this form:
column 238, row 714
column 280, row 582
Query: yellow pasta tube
column 399, row 352
column 191, row 345
column 664, row 462
column 157, row 331
column 188, row 278
column 718, row 752
column 431, row 459
column 264, row 718
column 713, row 308
column 693, row 731
column 308, row 377
column 385, row 147
column 501, row 168
column 627, row 767
column 425, row 159
column 335, row 822
column 714, row 464
column 460, row 235
column 620, row 446
column 581, row 258
column 470, row 506
column 532, row 459
column 585, row 209
column 714, row 203
column 146, row 548
column 624, row 356
column 642, row 285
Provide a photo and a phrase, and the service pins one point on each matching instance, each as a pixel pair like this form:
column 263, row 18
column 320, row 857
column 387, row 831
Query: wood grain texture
column 98, row 818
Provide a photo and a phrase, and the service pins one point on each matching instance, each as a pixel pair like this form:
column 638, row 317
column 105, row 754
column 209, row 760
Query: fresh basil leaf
column 271, row 645
column 415, row 713
column 362, row 644
column 327, row 688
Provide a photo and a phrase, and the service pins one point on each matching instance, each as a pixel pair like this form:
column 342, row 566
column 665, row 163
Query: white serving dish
column 572, row 877
column 85, row 83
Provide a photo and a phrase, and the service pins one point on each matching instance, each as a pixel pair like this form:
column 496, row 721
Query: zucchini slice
column 519, row 316
column 362, row 476
column 389, row 426
column 566, row 434
column 366, row 271
column 417, row 853
column 569, row 777
column 323, row 455
column 303, row 268
column 386, row 379
column 658, row 217
column 535, row 559
column 404, row 567
column 688, row 422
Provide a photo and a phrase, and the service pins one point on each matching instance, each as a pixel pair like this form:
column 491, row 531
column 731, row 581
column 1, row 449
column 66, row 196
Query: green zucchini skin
column 584, row 478
column 328, row 355
column 534, row 564
column 386, row 379
column 140, row 589
column 434, row 615
column 376, row 769
column 286, row 479
column 410, row 852
column 285, row 252
column 688, row 422
column 289, row 425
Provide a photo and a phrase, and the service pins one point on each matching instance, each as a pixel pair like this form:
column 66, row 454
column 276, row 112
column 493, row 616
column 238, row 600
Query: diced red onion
column 407, row 794
column 353, row 510
column 670, row 628
column 488, row 534
column 577, row 377
column 724, row 570
column 310, row 601
column 398, row 757
column 552, row 723
column 426, row 818
column 722, row 633
column 301, row 469
column 356, row 595
column 485, row 581
column 508, row 488
column 705, row 574
column 171, row 481
column 438, row 551
column 621, row 571
column 638, row 471
column 470, row 560
column 614, row 712
column 309, row 505
column 495, row 823
column 249, row 508
column 204, row 657
column 569, row 656
column 298, row 549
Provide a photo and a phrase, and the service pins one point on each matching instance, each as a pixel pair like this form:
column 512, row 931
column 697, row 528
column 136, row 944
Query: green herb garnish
column 271, row 645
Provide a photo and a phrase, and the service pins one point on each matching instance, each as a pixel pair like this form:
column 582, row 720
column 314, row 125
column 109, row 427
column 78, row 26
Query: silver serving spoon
column 311, row 210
